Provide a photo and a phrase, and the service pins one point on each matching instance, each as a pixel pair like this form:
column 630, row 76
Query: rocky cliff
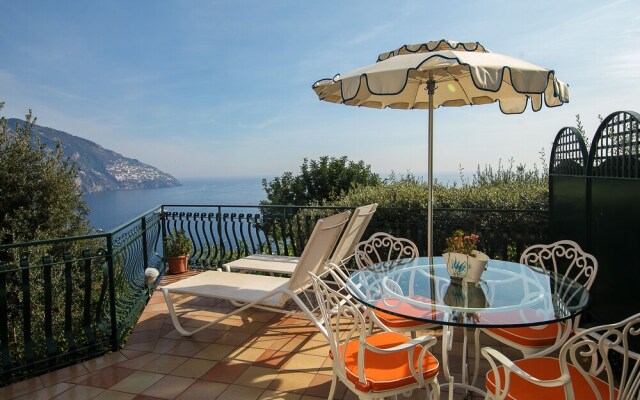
column 99, row 168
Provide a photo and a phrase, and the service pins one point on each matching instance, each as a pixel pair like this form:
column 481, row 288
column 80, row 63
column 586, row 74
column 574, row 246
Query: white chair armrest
column 426, row 340
column 493, row 355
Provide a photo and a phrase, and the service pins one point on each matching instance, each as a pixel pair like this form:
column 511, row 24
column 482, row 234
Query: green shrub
column 178, row 244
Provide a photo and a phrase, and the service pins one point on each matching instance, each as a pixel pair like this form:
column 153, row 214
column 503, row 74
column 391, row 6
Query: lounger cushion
column 265, row 263
column 243, row 288
column 386, row 371
column 546, row 368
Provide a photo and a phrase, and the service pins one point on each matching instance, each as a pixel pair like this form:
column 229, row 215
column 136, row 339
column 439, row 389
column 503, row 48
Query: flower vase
column 466, row 267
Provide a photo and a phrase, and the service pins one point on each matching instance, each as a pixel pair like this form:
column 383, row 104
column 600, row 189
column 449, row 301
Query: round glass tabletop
column 508, row 294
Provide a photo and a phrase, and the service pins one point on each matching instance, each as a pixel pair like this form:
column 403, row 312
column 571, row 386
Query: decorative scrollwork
column 384, row 251
column 591, row 352
column 563, row 257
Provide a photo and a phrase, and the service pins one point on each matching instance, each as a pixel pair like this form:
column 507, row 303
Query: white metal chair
column 385, row 251
column 285, row 265
column 566, row 258
column 261, row 291
column 372, row 366
column 583, row 370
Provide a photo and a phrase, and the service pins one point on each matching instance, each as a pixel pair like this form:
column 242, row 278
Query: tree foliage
column 319, row 182
column 39, row 198
column 505, row 187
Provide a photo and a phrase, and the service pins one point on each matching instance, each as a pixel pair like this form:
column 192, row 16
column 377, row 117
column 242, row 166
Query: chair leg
column 332, row 391
column 434, row 392
column 476, row 357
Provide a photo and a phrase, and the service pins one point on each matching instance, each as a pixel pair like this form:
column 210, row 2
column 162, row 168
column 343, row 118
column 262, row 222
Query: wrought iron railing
column 71, row 299
column 224, row 233
column 66, row 300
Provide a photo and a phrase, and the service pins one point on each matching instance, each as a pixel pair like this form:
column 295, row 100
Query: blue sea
column 113, row 208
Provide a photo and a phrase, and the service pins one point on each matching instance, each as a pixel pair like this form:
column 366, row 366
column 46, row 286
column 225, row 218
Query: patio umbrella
column 444, row 73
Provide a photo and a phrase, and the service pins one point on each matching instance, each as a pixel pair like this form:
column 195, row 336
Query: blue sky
column 223, row 88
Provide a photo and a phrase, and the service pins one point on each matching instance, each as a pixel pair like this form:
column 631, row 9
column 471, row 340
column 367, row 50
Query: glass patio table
column 508, row 295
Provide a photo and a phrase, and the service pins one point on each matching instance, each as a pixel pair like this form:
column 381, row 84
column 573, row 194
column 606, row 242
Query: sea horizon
column 110, row 209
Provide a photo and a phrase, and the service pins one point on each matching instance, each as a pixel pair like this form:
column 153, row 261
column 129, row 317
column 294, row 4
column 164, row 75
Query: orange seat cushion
column 407, row 309
column 528, row 336
column 546, row 368
column 386, row 371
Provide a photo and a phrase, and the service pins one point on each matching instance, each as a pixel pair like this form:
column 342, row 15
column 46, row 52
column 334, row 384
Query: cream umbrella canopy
column 444, row 73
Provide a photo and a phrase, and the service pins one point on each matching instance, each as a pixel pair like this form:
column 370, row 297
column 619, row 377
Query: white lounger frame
column 277, row 264
column 260, row 291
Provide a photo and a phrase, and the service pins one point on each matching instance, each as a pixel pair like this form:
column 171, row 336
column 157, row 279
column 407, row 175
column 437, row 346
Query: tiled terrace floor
column 258, row 355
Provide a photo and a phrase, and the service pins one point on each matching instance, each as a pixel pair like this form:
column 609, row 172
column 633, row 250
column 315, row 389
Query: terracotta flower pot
column 178, row 265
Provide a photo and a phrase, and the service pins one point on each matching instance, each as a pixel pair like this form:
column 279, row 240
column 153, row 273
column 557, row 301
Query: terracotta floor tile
column 137, row 382
column 304, row 362
column 104, row 378
column 146, row 347
column 163, row 345
column 327, row 367
column 207, row 335
column 187, row 348
column 104, row 361
column 79, row 392
column 233, row 338
column 312, row 347
column 144, row 336
column 46, row 393
column 226, row 372
column 169, row 387
column 160, row 307
column 169, row 332
column 292, row 381
column 215, row 352
column 193, row 368
column 203, row 390
column 21, row 388
column 280, row 343
column 245, row 354
column 153, row 316
column 148, row 325
column 113, row 395
column 164, row 364
column 265, row 342
column 274, row 395
column 63, row 375
column 308, row 397
column 145, row 397
column 237, row 392
column 321, row 385
column 263, row 315
column 257, row 377
column 294, row 345
column 139, row 362
column 272, row 358
column 132, row 353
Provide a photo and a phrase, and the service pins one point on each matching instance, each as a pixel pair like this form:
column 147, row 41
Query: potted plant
column 178, row 247
column 464, row 262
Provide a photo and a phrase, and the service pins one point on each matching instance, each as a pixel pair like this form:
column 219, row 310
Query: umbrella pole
column 431, row 87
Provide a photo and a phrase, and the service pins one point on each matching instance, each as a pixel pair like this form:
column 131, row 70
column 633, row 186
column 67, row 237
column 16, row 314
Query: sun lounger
column 286, row 265
column 261, row 291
